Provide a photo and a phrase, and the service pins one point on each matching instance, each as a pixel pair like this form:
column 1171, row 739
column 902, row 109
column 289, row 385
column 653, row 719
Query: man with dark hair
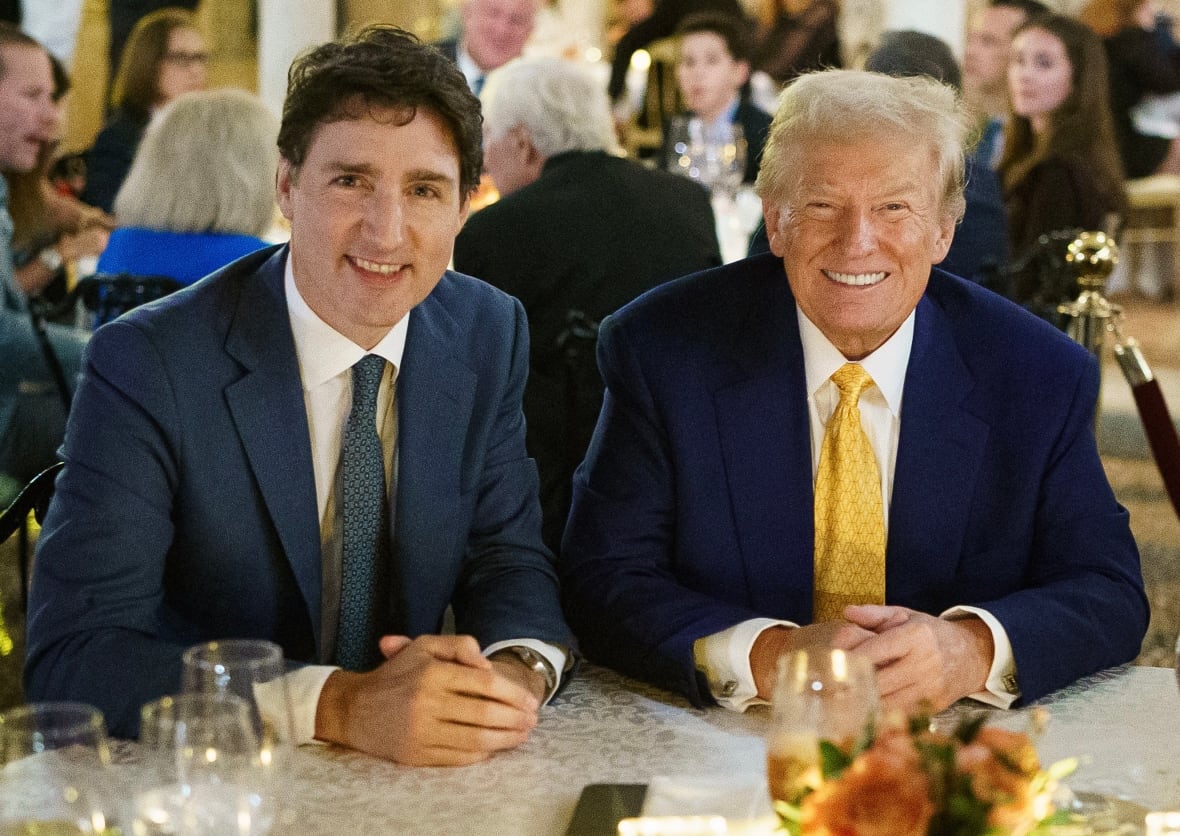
column 713, row 71
column 321, row 445
column 32, row 408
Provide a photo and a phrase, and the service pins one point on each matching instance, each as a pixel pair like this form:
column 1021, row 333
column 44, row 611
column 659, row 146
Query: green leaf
column 969, row 727
column 833, row 760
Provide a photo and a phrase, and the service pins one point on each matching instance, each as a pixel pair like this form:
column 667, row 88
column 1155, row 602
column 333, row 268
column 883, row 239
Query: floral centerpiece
column 906, row 779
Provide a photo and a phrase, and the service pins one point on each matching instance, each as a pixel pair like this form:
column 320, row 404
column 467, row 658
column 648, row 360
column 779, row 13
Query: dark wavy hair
column 1081, row 126
column 384, row 67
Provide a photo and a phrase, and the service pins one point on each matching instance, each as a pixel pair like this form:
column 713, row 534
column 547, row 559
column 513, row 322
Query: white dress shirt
column 725, row 656
column 325, row 359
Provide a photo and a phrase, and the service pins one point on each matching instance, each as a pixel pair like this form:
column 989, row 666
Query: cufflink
column 729, row 689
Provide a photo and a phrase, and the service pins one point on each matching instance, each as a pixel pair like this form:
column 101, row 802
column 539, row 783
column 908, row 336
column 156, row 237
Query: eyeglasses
column 186, row 59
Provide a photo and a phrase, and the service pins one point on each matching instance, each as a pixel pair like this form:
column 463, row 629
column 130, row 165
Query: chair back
column 661, row 101
column 109, row 295
column 35, row 497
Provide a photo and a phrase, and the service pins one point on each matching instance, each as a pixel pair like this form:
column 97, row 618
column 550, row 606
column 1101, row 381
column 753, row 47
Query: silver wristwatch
column 536, row 662
column 51, row 258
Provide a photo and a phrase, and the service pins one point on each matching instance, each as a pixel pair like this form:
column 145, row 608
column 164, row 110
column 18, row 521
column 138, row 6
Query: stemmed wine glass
column 53, row 770
column 713, row 155
column 819, row 695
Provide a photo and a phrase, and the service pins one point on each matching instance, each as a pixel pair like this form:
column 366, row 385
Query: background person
column 212, row 471
column 200, row 193
column 713, row 70
column 165, row 57
column 1060, row 169
column 985, row 67
column 984, row 554
column 1144, row 65
column 493, row 33
column 32, row 410
column 553, row 241
column 798, row 36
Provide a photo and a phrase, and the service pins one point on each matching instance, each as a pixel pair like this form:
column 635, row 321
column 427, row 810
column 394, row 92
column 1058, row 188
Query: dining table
column 1123, row 725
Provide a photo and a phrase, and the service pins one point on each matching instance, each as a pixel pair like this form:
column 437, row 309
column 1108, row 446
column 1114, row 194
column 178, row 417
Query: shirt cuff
column 724, row 658
column 303, row 696
column 554, row 655
column 1002, row 687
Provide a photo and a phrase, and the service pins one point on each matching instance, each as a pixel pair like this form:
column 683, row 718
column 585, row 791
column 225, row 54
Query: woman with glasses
column 165, row 57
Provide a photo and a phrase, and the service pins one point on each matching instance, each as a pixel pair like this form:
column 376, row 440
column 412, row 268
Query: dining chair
column 34, row 497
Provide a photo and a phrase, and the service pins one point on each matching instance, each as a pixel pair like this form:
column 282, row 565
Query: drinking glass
column 53, row 770
column 253, row 670
column 203, row 772
column 714, row 156
column 819, row 695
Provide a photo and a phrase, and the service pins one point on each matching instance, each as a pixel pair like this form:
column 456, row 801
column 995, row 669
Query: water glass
column 819, row 695
column 202, row 771
column 53, row 770
column 254, row 671
column 713, row 155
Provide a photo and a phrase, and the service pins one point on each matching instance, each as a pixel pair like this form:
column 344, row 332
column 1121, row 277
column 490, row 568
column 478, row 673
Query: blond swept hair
column 839, row 106
column 206, row 164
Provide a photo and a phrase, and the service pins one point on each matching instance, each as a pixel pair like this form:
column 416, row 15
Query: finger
column 876, row 617
column 491, row 685
column 462, row 650
column 393, row 645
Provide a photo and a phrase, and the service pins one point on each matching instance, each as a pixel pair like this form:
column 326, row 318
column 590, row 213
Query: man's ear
column 772, row 216
column 285, row 178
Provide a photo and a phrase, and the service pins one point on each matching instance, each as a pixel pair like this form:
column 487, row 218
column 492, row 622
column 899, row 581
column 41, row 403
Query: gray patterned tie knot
column 364, row 595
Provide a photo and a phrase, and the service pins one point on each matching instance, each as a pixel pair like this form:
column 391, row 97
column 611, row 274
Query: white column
column 945, row 19
column 286, row 28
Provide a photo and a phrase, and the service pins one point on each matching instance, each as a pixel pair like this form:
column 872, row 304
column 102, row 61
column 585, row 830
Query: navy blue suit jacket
column 187, row 509
column 693, row 510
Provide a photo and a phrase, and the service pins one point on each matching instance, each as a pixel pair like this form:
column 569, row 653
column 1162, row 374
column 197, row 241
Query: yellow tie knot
column 851, row 379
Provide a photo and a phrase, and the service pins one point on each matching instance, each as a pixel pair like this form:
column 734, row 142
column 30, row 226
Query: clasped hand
column 434, row 701
column 918, row 657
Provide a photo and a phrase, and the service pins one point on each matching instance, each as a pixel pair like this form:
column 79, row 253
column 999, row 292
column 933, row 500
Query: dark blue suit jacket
column 694, row 510
column 187, row 510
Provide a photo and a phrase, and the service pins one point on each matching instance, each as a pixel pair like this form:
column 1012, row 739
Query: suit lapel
column 766, row 446
column 939, row 453
column 435, row 396
column 268, row 410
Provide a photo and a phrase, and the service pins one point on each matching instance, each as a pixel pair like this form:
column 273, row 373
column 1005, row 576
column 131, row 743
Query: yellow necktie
column 849, row 521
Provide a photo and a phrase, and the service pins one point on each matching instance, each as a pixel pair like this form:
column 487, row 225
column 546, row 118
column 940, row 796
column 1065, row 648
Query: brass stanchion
column 1091, row 316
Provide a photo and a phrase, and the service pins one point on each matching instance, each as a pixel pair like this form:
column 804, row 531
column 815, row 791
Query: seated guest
column 835, row 445
column 165, row 57
column 50, row 229
column 661, row 23
column 980, row 246
column 712, row 72
column 201, row 190
column 578, row 230
column 1060, row 169
column 1144, row 66
column 32, row 407
column 230, row 448
column 494, row 32
column 799, row 36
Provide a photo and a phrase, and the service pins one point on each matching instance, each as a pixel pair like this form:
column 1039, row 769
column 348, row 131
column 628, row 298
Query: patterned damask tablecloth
column 605, row 728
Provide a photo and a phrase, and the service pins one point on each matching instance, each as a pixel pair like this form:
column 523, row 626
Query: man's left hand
column 923, row 658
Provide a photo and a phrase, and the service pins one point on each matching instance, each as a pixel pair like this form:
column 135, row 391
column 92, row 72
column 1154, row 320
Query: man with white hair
column 579, row 231
column 837, row 445
column 493, row 33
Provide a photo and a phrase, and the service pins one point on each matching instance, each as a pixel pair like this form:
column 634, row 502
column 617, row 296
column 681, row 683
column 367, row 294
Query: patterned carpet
column 1136, row 481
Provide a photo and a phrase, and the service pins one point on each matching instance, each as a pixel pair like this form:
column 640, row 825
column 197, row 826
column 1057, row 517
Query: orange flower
column 1001, row 765
column 883, row 793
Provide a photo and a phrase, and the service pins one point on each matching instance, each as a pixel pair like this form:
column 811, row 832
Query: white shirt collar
column 467, row 65
column 323, row 352
column 887, row 365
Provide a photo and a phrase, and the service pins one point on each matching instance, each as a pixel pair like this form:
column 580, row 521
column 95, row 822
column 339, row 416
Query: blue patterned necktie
column 364, row 585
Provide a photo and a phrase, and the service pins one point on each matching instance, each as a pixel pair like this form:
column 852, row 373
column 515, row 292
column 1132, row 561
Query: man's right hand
column 434, row 701
column 775, row 641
